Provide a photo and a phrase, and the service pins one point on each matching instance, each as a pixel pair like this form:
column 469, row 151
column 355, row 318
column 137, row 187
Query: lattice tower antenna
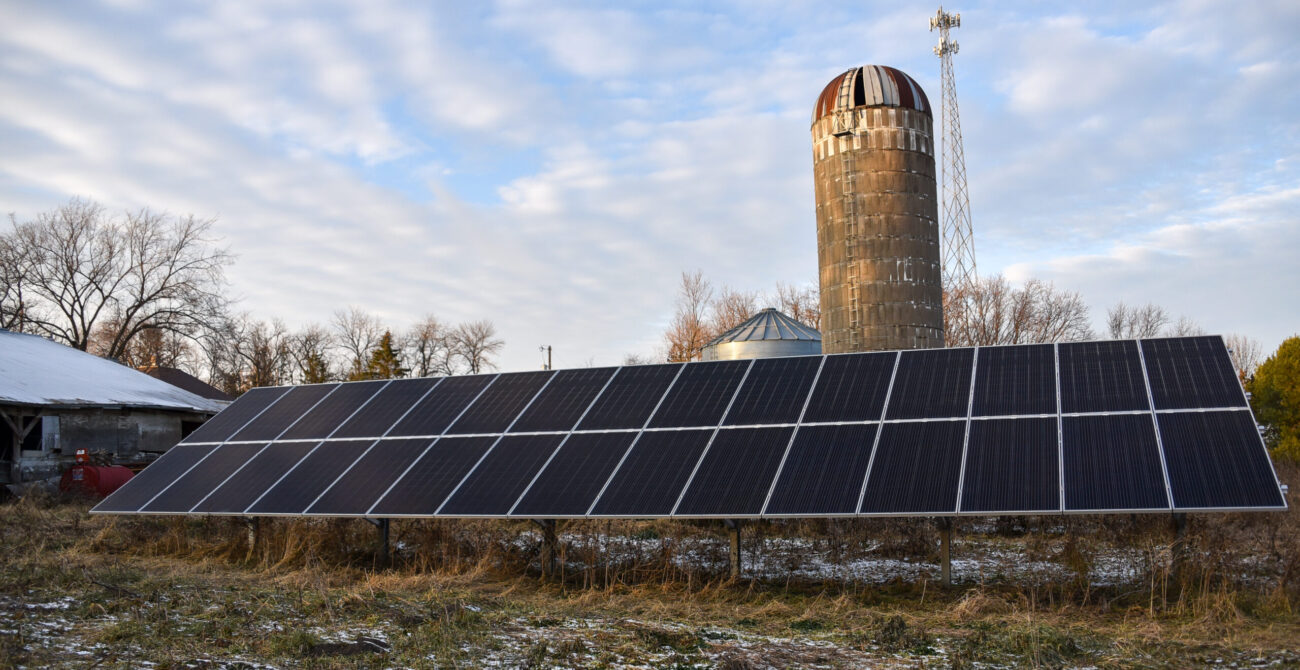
column 958, row 237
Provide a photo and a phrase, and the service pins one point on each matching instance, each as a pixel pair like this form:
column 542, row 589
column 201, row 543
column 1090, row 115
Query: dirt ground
column 81, row 591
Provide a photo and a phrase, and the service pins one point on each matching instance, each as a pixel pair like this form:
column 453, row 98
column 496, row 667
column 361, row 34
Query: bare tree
column 83, row 269
column 1184, row 327
column 357, row 332
column 14, row 268
column 158, row 348
column 989, row 310
column 263, row 351
column 1246, row 353
column 429, row 347
column 311, row 350
column 475, row 344
column 1125, row 322
column 689, row 331
column 801, row 303
column 731, row 308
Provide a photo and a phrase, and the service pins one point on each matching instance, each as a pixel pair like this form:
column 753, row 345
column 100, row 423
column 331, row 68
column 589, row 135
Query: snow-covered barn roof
column 36, row 371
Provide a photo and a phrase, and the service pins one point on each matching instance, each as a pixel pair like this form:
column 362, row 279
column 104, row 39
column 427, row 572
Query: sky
column 555, row 166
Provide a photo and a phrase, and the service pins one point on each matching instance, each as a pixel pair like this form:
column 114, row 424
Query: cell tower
column 957, row 234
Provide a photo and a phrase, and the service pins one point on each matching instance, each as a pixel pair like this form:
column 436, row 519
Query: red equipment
column 94, row 480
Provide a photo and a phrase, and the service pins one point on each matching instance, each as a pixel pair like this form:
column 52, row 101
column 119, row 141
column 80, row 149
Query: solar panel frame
column 1122, row 357
column 1187, row 462
column 277, row 440
column 279, row 391
column 1166, row 358
column 736, row 392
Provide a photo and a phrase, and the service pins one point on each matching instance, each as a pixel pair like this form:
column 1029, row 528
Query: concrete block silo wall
column 877, row 229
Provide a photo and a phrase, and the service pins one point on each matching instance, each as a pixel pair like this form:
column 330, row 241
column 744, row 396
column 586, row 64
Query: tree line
column 147, row 288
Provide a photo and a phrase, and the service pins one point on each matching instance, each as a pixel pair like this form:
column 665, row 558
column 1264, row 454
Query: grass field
column 79, row 591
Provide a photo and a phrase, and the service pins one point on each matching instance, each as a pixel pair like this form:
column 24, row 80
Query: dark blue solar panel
column 332, row 411
column 159, row 475
column 563, row 402
column 650, row 480
column 1101, row 377
column 570, row 482
column 700, row 395
column 916, row 468
column 501, row 403
column 387, row 407
column 220, row 427
column 310, row 477
column 1011, row 466
column 1191, row 372
column 824, row 471
column 1216, row 459
column 370, row 476
column 1112, row 463
column 736, row 472
column 194, row 485
column 441, row 406
column 247, row 485
column 774, row 392
column 496, row 484
column 269, row 424
column 630, row 397
column 1015, row 380
column 851, row 387
column 931, row 384
column 433, row 477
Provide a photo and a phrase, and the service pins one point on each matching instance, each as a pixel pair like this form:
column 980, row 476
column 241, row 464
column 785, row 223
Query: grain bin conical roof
column 767, row 333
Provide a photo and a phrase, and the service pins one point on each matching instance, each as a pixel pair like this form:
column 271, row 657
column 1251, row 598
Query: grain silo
column 877, row 213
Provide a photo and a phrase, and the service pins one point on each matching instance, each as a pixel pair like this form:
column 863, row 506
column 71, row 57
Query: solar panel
column 851, row 388
column 285, row 412
column 333, row 410
column 630, row 397
column 1191, row 372
column 160, row 474
column 220, row 427
column 389, row 405
column 564, row 401
column 824, row 471
column 492, row 488
column 1101, row 377
column 736, row 473
column 569, row 483
column 1015, row 380
column 1215, row 461
column 310, row 477
column 1011, row 467
column 1112, row 463
column 422, row 489
column 931, row 383
column 775, row 391
column 358, row 488
column 651, row 477
column 446, row 401
column 190, row 488
column 915, row 468
column 500, row 403
column 248, row 484
column 922, row 432
column 700, row 395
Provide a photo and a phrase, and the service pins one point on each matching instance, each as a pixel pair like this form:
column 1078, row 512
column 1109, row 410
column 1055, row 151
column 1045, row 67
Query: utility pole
column 546, row 349
column 957, row 235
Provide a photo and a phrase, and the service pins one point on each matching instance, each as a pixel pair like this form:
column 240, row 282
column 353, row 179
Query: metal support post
column 733, row 525
column 945, row 549
column 1179, row 550
column 550, row 545
column 382, row 526
column 254, row 536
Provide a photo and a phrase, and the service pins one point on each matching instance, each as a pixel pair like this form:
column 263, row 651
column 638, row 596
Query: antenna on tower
column 957, row 235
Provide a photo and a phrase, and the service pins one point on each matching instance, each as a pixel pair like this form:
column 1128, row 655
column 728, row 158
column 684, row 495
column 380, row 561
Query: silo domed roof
column 768, row 324
column 868, row 86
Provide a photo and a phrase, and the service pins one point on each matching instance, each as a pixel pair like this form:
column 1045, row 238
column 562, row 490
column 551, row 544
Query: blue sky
column 555, row 166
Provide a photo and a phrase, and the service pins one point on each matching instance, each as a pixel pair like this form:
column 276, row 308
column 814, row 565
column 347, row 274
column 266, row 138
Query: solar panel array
column 1122, row 426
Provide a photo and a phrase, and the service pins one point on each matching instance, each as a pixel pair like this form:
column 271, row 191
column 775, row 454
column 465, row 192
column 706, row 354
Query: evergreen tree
column 1275, row 397
column 385, row 362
